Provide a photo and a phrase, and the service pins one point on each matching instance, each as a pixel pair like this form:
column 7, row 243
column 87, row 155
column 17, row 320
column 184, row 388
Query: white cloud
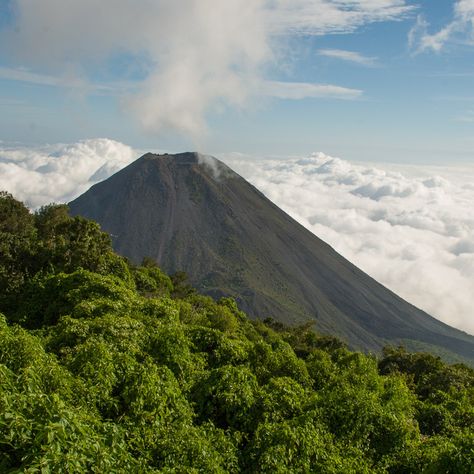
column 281, row 90
column 318, row 17
column 66, row 80
column 410, row 227
column 461, row 28
column 58, row 173
column 302, row 90
column 23, row 75
column 350, row 56
column 193, row 55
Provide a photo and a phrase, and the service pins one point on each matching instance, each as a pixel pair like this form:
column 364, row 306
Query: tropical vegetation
column 110, row 367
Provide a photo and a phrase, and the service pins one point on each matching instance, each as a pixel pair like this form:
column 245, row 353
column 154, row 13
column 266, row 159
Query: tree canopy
column 109, row 367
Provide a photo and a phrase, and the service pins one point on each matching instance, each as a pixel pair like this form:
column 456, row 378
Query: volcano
column 192, row 213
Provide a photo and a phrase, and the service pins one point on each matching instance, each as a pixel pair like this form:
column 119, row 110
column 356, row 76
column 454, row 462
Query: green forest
column 109, row 367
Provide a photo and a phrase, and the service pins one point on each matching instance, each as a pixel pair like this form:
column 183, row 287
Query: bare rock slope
column 195, row 214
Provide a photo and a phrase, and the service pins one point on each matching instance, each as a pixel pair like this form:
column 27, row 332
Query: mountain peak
column 187, row 157
column 214, row 167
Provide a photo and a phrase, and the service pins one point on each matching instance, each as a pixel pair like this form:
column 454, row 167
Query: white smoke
column 216, row 167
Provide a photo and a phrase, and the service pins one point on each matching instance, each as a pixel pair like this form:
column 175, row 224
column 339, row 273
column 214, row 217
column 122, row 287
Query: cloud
column 187, row 58
column 281, row 90
column 411, row 227
column 319, row 17
column 350, row 56
column 302, row 90
column 461, row 28
column 58, row 173
column 192, row 54
column 23, row 75
column 64, row 80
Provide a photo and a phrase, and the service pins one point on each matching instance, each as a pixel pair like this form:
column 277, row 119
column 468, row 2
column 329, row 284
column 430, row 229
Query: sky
column 378, row 80
column 354, row 116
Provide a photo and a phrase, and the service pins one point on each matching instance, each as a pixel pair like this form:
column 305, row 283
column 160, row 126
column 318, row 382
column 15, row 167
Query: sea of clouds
column 409, row 227
column 61, row 172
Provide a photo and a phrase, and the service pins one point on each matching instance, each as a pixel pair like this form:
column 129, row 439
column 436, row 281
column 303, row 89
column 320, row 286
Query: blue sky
column 245, row 78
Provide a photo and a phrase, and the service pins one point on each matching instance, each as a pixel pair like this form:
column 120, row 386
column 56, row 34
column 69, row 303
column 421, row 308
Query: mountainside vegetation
column 107, row 367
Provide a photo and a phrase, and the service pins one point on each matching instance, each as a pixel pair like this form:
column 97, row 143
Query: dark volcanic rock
column 195, row 214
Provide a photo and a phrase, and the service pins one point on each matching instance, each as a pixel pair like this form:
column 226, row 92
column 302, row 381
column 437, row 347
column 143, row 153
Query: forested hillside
column 110, row 367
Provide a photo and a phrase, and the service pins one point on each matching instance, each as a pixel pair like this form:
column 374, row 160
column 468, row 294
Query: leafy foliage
column 106, row 367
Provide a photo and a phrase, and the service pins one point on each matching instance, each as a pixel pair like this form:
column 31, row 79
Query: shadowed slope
column 195, row 214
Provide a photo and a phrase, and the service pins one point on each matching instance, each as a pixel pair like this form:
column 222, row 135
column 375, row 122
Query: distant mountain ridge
column 193, row 213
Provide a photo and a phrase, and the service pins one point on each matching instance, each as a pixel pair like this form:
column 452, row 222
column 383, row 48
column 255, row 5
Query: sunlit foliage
column 107, row 367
